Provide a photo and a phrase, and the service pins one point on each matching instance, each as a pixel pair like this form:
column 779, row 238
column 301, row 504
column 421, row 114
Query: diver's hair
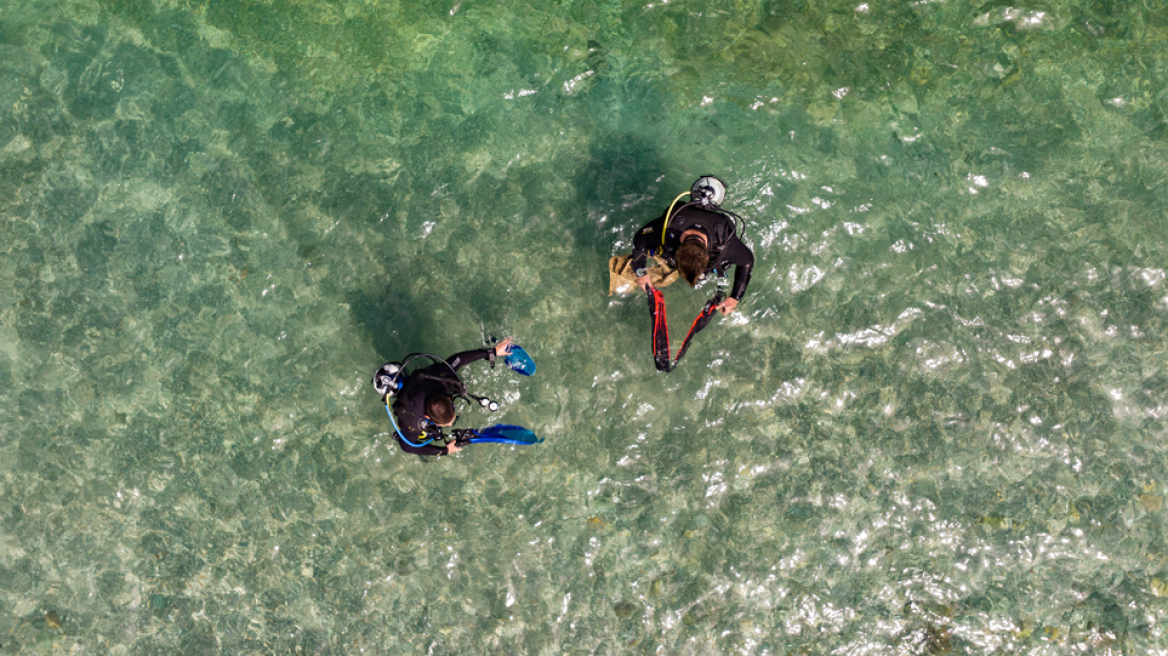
column 440, row 409
column 691, row 261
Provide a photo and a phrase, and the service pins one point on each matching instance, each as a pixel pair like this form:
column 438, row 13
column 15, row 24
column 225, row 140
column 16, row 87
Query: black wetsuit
column 723, row 247
column 410, row 405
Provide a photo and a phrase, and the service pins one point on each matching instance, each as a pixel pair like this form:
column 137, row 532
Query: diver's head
column 440, row 410
column 708, row 191
column 691, row 256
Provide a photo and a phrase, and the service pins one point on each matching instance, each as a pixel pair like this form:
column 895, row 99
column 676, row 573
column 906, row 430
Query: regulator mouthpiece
column 708, row 191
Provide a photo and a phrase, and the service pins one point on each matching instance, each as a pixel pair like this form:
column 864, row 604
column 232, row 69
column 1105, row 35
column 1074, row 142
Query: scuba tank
column 389, row 379
column 708, row 191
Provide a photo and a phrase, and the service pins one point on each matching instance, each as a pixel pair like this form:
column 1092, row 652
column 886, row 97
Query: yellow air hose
column 668, row 217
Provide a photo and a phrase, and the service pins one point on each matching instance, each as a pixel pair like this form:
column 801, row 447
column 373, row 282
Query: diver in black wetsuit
column 699, row 240
column 425, row 404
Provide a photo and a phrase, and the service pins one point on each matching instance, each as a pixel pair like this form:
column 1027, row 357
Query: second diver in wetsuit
column 699, row 240
column 425, row 403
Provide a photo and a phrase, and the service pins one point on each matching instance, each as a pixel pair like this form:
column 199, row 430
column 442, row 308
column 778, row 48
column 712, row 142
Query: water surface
column 935, row 426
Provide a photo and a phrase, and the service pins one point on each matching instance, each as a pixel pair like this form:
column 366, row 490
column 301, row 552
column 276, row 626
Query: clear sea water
column 936, row 426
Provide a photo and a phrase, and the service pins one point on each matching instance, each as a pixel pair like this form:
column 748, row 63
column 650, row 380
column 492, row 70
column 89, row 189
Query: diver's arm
column 416, row 435
column 459, row 360
column 648, row 240
column 738, row 254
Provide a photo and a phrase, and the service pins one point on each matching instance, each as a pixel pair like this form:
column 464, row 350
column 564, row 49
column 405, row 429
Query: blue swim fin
column 520, row 361
column 504, row 434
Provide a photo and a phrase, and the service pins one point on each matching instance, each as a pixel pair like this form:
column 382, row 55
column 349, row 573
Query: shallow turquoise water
column 936, row 425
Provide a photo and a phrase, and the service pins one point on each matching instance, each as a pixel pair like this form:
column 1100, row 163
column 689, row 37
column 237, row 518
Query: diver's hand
column 504, row 347
column 727, row 306
column 643, row 281
column 452, row 448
